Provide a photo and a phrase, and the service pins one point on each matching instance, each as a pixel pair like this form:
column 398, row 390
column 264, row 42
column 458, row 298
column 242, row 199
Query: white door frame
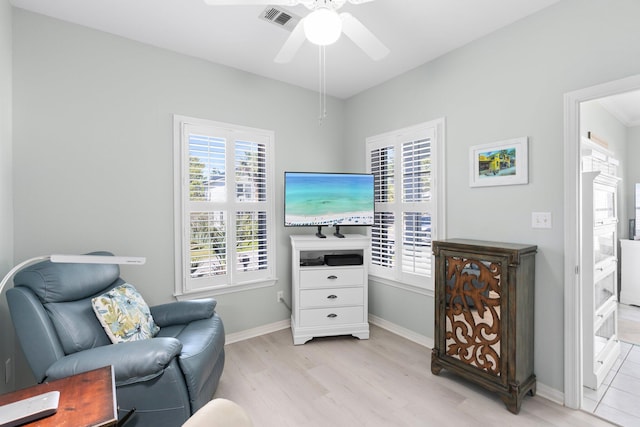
column 572, row 240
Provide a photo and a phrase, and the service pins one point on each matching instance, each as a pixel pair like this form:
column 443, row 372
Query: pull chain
column 322, row 82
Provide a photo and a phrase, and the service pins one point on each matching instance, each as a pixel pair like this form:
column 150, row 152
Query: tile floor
column 618, row 399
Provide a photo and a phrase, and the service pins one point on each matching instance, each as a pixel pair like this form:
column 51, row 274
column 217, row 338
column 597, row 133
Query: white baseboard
column 556, row 396
column 403, row 332
column 284, row 324
column 256, row 332
column 542, row 390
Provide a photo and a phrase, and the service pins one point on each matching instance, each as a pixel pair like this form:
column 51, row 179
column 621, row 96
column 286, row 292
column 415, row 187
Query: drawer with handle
column 331, row 297
column 331, row 316
column 331, row 277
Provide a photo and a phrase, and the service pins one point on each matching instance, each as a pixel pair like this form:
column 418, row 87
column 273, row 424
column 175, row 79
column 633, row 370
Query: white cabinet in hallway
column 630, row 273
column 601, row 346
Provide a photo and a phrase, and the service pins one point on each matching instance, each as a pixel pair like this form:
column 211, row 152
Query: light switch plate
column 540, row 219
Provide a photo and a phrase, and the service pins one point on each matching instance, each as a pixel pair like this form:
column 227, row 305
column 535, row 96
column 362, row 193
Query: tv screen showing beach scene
column 317, row 199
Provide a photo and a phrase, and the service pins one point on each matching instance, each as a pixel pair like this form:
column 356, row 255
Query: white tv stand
column 328, row 300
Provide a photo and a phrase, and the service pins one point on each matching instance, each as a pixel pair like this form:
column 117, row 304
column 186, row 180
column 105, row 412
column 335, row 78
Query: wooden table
column 87, row 399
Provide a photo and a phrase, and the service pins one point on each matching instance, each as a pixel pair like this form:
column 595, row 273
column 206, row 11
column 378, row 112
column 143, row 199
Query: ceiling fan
column 323, row 26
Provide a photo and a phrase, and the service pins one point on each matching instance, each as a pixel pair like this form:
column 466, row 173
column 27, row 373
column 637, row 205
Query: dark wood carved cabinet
column 484, row 294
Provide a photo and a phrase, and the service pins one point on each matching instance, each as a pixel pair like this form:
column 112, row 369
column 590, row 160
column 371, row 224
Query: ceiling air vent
column 280, row 17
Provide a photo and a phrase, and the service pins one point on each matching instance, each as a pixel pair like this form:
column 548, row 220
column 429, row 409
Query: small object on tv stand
column 343, row 259
column 337, row 233
column 307, row 262
column 319, row 233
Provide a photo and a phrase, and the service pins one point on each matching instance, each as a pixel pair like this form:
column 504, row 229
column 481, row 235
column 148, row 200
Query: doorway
column 573, row 362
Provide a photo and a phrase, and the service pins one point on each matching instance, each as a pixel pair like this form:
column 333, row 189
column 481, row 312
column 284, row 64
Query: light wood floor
column 629, row 323
column 383, row 381
column 617, row 397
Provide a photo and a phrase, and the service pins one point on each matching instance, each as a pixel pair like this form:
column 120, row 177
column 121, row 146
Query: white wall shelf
column 600, row 263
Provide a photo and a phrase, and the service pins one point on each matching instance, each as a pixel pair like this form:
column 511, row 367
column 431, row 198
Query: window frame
column 435, row 129
column 233, row 280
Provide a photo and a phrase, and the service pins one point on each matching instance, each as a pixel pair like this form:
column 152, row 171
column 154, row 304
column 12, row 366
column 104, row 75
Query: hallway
column 618, row 399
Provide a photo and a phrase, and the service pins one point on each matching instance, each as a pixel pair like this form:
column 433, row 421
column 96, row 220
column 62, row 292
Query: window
column 223, row 207
column 409, row 190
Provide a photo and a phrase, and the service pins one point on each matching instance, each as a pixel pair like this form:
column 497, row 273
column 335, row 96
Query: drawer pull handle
column 332, row 315
column 332, row 297
column 332, row 277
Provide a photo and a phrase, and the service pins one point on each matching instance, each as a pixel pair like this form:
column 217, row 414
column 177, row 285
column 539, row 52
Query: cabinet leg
column 298, row 340
column 512, row 403
column 362, row 335
column 516, row 394
column 435, row 366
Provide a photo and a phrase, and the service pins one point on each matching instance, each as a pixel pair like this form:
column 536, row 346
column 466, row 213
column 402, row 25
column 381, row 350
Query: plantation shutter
column 402, row 163
column 416, row 190
column 382, row 232
column 224, row 207
column 251, row 219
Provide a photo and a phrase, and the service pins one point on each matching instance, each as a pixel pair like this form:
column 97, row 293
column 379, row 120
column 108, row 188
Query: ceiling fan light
column 323, row 27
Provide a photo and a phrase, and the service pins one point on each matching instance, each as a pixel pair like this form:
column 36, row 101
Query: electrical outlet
column 7, row 371
column 280, row 296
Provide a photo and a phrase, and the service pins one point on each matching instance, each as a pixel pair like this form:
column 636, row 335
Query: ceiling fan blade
column 293, row 43
column 252, row 2
column 362, row 37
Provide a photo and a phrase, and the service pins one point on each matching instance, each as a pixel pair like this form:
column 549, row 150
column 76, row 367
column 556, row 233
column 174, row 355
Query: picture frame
column 499, row 163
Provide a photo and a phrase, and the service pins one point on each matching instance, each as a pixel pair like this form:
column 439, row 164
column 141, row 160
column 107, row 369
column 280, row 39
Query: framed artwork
column 499, row 163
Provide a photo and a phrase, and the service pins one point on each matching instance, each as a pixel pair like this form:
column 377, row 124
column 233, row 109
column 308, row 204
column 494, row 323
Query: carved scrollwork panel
column 473, row 327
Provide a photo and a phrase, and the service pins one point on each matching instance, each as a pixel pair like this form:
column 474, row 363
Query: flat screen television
column 328, row 199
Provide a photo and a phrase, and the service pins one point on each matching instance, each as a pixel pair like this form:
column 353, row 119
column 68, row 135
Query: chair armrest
column 182, row 312
column 132, row 362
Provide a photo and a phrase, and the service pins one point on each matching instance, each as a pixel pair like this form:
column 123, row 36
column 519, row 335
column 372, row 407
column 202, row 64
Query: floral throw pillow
column 124, row 314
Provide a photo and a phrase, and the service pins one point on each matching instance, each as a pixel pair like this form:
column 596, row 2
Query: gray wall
column 93, row 142
column 6, row 208
column 632, row 176
column 594, row 118
column 508, row 84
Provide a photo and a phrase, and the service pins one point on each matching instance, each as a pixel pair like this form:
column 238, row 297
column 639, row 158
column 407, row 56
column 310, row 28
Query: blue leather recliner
column 166, row 378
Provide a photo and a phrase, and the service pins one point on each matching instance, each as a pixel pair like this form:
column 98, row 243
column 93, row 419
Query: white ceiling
column 625, row 107
column 416, row 31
